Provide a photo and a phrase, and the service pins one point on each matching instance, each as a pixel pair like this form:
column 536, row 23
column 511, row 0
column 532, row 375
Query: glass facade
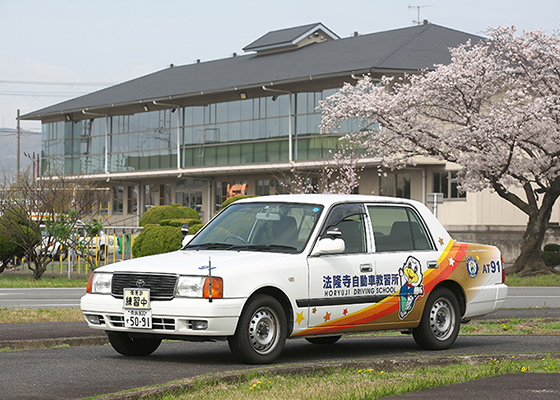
column 236, row 132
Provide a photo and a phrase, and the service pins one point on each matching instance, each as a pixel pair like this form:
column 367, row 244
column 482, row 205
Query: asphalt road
column 518, row 297
column 41, row 297
column 75, row 372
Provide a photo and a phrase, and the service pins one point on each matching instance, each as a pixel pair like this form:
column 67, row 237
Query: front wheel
column 261, row 331
column 128, row 346
column 440, row 322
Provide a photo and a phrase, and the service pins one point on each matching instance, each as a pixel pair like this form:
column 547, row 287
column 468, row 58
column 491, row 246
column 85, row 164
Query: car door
column 405, row 260
column 342, row 286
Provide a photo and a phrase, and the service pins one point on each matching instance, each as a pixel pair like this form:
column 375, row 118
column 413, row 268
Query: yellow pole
column 96, row 250
column 114, row 247
column 123, row 247
column 60, row 259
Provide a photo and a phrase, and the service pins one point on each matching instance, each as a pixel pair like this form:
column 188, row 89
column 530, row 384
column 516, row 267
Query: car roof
column 328, row 199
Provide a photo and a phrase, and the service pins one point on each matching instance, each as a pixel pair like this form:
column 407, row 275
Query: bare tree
column 41, row 215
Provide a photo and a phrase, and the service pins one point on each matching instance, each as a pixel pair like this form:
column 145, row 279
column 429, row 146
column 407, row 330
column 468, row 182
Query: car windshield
column 277, row 227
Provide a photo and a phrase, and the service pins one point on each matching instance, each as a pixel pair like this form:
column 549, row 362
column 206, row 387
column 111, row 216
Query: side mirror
column 184, row 231
column 329, row 246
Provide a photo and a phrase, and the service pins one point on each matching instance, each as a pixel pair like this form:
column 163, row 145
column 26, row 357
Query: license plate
column 138, row 319
column 136, row 307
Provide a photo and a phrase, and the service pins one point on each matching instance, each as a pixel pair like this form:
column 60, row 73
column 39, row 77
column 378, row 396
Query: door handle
column 366, row 268
column 432, row 264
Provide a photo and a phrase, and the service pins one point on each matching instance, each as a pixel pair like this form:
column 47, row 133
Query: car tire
column 128, row 346
column 325, row 340
column 261, row 331
column 440, row 322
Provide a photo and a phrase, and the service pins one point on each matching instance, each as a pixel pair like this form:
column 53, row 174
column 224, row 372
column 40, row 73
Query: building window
column 262, row 187
column 444, row 182
column 118, row 199
column 132, row 199
column 395, row 185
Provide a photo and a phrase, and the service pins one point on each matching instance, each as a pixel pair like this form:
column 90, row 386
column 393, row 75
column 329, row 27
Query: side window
column 350, row 221
column 397, row 229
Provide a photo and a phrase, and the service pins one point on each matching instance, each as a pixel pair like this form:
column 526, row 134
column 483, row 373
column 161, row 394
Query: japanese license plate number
column 136, row 307
column 138, row 319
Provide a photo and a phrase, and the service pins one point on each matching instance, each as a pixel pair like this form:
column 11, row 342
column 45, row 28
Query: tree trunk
column 529, row 262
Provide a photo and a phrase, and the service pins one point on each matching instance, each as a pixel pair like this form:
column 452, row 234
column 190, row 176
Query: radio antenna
column 418, row 21
column 209, row 279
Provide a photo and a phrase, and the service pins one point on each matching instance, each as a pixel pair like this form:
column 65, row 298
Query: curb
column 376, row 364
column 50, row 343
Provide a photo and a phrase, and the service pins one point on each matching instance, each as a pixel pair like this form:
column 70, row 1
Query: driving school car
column 299, row 266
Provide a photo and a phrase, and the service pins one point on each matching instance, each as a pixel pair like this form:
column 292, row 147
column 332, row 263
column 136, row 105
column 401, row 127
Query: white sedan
column 314, row 266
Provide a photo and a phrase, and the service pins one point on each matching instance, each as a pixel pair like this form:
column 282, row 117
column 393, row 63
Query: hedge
column 175, row 211
column 551, row 255
column 155, row 239
column 180, row 222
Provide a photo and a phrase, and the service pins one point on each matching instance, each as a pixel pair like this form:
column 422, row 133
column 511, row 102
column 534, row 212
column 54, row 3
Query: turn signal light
column 217, row 288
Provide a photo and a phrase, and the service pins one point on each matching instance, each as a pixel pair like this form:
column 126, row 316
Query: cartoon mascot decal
column 412, row 286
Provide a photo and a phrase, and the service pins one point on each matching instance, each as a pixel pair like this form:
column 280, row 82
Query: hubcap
column 442, row 319
column 263, row 330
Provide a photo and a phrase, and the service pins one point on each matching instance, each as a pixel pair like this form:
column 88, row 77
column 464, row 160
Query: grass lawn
column 369, row 382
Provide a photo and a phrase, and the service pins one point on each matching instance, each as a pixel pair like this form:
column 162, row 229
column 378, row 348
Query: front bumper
column 177, row 317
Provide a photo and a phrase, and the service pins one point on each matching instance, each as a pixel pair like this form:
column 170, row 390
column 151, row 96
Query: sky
column 55, row 50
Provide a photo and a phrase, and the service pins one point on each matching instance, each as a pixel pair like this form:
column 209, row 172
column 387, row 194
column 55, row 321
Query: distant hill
column 30, row 142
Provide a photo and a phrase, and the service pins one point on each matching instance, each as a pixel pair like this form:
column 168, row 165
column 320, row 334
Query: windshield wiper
column 264, row 247
column 210, row 245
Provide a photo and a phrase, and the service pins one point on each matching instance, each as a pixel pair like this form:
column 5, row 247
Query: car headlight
column 100, row 282
column 199, row 287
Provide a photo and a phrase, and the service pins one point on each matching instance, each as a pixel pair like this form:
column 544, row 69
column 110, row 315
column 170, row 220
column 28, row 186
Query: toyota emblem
column 140, row 283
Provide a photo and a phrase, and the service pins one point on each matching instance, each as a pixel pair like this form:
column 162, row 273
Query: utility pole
column 417, row 21
column 18, row 143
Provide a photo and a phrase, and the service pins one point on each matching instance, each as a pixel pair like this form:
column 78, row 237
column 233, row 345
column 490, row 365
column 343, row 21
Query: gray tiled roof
column 405, row 49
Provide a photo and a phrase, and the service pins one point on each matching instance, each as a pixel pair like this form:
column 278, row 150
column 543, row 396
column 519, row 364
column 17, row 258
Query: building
column 195, row 134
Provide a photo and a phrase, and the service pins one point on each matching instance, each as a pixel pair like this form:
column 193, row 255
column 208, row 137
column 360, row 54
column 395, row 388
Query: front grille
column 162, row 286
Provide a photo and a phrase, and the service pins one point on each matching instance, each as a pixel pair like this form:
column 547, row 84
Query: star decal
column 314, row 310
column 441, row 242
column 299, row 317
column 345, row 312
column 451, row 261
column 327, row 317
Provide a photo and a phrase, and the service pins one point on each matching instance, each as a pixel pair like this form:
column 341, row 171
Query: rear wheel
column 128, row 346
column 261, row 331
column 440, row 322
column 325, row 340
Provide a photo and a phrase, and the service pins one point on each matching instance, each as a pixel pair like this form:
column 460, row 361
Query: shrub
column 155, row 239
column 234, row 198
column 180, row 222
column 551, row 255
column 175, row 211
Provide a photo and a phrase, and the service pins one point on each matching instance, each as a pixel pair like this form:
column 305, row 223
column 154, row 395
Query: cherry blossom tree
column 340, row 173
column 494, row 111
